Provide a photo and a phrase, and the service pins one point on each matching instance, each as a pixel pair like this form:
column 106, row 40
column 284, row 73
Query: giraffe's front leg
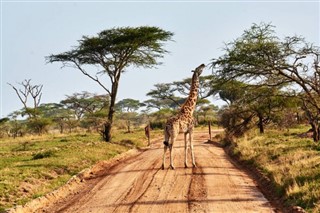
column 164, row 156
column 191, row 146
column 185, row 151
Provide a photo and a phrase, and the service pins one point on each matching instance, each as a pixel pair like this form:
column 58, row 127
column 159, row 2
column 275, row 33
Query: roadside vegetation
column 289, row 160
column 32, row 166
column 272, row 116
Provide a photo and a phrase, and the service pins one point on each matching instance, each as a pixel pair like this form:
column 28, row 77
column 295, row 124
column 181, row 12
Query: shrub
column 157, row 124
column 41, row 155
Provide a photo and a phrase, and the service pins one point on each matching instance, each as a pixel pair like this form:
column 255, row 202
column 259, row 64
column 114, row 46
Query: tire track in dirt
column 197, row 191
column 97, row 181
column 139, row 189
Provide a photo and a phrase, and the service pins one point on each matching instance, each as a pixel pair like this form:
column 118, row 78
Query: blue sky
column 31, row 30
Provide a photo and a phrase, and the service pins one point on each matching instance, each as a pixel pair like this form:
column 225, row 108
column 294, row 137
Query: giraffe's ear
column 192, row 71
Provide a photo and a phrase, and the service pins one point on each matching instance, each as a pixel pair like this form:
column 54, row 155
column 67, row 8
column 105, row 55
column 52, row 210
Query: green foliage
column 250, row 54
column 85, row 103
column 206, row 112
column 162, row 114
column 126, row 120
column 4, row 127
column 206, row 88
column 128, row 105
column 40, row 155
column 4, row 120
column 165, row 94
column 163, row 97
column 139, row 46
column 157, row 124
column 38, row 125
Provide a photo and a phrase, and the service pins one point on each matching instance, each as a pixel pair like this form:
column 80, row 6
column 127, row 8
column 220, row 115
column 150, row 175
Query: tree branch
column 96, row 79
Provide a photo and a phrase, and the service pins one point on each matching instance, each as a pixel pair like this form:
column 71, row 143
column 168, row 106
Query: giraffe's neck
column 189, row 105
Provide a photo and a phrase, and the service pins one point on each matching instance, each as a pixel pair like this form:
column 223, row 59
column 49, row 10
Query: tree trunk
column 106, row 133
column 197, row 116
column 260, row 124
column 298, row 118
column 128, row 126
column 316, row 131
column 61, row 127
column 147, row 130
column 313, row 121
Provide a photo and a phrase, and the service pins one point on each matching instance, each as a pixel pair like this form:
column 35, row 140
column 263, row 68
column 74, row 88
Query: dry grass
column 292, row 162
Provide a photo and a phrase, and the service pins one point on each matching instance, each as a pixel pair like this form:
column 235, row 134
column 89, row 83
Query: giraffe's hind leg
column 166, row 145
column 171, row 156
column 164, row 156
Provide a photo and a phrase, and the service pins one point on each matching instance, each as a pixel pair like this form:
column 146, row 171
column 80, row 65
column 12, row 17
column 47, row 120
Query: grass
column 35, row 165
column 291, row 162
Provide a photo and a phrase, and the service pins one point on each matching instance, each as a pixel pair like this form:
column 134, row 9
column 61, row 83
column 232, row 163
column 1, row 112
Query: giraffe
column 183, row 122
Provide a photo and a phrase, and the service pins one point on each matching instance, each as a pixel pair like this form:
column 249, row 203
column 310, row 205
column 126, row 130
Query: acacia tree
column 57, row 113
column 85, row 103
column 114, row 51
column 205, row 86
column 164, row 94
column 163, row 97
column 260, row 57
column 250, row 105
column 128, row 108
column 128, row 105
column 4, row 127
column 207, row 111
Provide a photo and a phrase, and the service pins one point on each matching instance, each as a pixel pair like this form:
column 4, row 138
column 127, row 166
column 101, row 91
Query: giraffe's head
column 198, row 70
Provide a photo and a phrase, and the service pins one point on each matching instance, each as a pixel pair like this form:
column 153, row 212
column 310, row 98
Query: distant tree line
column 88, row 111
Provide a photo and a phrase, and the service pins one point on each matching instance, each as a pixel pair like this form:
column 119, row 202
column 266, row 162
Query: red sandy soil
column 134, row 182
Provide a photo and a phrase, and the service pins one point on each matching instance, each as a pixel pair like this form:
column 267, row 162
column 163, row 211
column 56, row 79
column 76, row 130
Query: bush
column 38, row 125
column 157, row 124
column 41, row 155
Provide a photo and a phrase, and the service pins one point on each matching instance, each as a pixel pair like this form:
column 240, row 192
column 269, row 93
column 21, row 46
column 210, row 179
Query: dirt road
column 137, row 184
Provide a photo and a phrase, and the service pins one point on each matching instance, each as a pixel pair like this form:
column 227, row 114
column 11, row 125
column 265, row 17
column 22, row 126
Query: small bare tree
column 28, row 90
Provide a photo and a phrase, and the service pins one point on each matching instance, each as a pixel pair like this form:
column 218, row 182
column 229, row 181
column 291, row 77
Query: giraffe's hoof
column 185, row 165
column 194, row 165
column 162, row 167
column 172, row 167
